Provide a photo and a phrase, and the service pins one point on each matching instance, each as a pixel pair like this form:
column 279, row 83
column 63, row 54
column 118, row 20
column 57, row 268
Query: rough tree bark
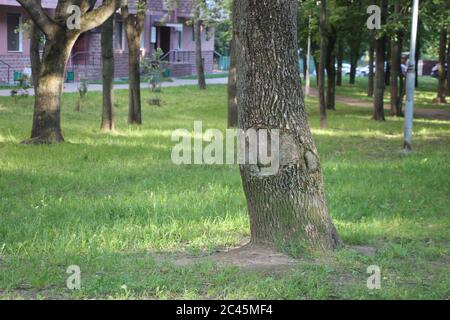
column 322, row 63
column 370, row 86
column 287, row 208
column 134, row 26
column 59, row 43
column 442, row 53
column 331, row 70
column 108, row 75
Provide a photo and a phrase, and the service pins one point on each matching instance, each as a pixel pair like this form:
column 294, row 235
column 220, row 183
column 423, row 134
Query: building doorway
column 164, row 39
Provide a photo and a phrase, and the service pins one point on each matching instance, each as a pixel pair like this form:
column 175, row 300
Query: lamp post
column 410, row 81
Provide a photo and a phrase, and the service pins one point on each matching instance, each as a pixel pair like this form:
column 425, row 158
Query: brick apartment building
column 170, row 31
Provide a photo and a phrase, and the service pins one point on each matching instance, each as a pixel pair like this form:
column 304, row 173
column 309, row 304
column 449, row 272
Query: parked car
column 435, row 71
column 346, row 67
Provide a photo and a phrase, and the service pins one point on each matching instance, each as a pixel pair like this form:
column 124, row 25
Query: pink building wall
column 89, row 65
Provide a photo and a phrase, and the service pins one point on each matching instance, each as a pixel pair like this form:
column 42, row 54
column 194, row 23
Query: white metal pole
column 410, row 80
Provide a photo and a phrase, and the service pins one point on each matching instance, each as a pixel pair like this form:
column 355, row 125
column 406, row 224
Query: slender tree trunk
column 418, row 56
column 395, row 67
column 322, row 63
column 448, row 69
column 354, row 56
column 340, row 59
column 378, row 100
column 133, row 29
column 232, row 99
column 331, row 71
column 387, row 74
column 317, row 67
column 108, row 75
column 198, row 55
column 370, row 86
column 442, row 48
column 287, row 208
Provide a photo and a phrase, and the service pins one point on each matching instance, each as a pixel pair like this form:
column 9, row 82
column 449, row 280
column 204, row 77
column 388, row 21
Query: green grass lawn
column 114, row 204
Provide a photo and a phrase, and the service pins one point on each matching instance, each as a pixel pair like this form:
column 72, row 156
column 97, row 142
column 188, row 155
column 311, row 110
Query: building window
column 180, row 39
column 118, row 35
column 14, row 32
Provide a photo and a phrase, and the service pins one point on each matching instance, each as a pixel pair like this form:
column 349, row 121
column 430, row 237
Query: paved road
column 73, row 87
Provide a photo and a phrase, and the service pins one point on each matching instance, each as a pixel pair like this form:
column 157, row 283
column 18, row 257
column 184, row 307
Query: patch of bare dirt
column 247, row 256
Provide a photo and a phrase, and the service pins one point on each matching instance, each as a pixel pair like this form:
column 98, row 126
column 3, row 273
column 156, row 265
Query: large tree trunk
column 198, row 55
column 442, row 48
column 322, row 63
column 287, row 208
column 47, row 111
column 232, row 99
column 108, row 75
column 340, row 59
column 331, row 71
column 378, row 99
column 370, row 86
column 51, row 69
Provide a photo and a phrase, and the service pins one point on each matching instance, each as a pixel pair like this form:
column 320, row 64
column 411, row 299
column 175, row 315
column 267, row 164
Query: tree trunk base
column 50, row 139
column 440, row 100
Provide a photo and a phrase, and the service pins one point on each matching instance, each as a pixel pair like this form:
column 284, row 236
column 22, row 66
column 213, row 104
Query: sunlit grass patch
column 111, row 203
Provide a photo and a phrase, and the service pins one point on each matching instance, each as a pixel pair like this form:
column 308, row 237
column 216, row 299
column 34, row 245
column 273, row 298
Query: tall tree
column 380, row 51
column 199, row 14
column 448, row 69
column 340, row 60
column 134, row 26
column 288, row 207
column 331, row 69
column 108, row 75
column 396, row 74
column 60, row 39
column 322, row 63
column 355, row 35
column 442, row 57
column 371, row 84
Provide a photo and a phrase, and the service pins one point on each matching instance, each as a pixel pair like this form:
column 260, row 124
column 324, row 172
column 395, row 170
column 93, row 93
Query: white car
column 346, row 67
